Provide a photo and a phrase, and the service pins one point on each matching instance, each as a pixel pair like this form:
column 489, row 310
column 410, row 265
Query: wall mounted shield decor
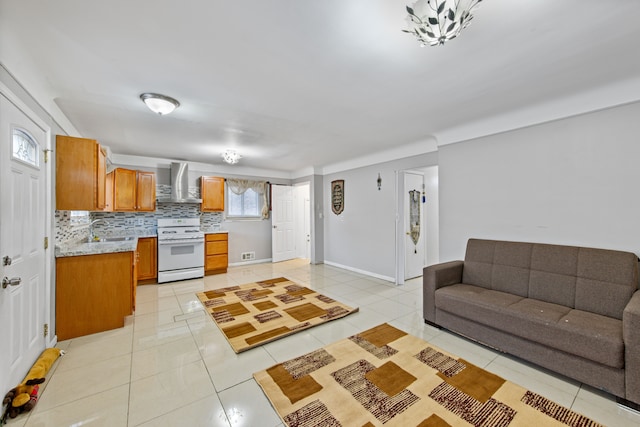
column 337, row 196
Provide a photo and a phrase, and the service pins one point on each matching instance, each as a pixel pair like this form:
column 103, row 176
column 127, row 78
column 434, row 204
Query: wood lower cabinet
column 212, row 193
column 147, row 260
column 80, row 174
column 216, row 254
column 94, row 293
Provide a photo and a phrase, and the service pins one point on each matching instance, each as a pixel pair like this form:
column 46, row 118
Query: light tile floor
column 171, row 366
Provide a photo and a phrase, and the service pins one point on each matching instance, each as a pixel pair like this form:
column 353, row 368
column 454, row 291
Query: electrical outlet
column 140, row 222
column 129, row 221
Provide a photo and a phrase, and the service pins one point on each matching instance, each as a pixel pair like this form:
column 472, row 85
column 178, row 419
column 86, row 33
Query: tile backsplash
column 134, row 222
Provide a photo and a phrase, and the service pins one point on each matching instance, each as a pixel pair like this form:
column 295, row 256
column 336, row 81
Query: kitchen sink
column 110, row 239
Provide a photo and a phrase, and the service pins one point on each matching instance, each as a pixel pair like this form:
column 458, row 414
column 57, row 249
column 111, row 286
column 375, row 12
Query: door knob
column 14, row 281
column 6, row 260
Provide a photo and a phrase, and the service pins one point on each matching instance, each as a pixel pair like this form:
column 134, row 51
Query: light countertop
column 95, row 248
column 82, row 247
column 212, row 231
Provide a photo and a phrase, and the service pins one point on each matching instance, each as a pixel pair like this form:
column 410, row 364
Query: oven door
column 180, row 254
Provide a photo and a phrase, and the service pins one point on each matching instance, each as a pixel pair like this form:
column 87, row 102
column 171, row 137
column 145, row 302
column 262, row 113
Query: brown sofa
column 572, row 310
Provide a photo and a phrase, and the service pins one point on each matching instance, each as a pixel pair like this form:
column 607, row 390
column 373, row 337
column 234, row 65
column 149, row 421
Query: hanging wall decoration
column 337, row 196
column 414, row 217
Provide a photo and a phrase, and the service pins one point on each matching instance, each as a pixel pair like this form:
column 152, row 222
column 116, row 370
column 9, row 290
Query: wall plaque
column 337, row 196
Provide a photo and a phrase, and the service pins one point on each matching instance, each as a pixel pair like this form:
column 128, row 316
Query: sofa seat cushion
column 589, row 335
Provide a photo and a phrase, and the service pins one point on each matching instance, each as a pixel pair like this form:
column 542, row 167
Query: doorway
column 413, row 225
column 417, row 222
column 291, row 222
column 24, row 214
column 302, row 201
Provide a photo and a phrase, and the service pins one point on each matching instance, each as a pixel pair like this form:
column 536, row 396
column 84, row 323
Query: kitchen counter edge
column 97, row 248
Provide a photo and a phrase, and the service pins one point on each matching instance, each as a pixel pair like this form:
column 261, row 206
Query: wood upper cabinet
column 124, row 189
column 108, row 193
column 132, row 190
column 147, row 259
column 80, row 174
column 216, row 254
column 146, row 191
column 94, row 293
column 212, row 193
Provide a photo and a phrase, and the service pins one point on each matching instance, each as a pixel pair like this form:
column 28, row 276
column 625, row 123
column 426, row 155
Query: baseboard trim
column 357, row 270
column 255, row 261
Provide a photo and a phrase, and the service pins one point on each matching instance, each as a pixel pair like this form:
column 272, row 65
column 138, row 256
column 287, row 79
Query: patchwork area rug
column 383, row 376
column 256, row 313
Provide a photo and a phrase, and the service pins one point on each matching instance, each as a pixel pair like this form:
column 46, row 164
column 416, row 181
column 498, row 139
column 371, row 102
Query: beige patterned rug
column 253, row 314
column 383, row 376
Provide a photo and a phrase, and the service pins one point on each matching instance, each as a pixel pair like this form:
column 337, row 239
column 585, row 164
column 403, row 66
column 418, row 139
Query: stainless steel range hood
column 179, row 185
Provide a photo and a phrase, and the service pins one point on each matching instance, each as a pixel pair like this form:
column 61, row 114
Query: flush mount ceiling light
column 231, row 157
column 433, row 22
column 160, row 104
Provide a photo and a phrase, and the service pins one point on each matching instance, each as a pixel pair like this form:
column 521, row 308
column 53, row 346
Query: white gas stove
column 180, row 249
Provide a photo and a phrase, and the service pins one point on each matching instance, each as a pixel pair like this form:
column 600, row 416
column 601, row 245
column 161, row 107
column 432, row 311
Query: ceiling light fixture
column 433, row 22
column 160, row 104
column 231, row 157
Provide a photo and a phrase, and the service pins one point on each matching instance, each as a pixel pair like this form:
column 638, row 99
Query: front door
column 23, row 298
column 283, row 232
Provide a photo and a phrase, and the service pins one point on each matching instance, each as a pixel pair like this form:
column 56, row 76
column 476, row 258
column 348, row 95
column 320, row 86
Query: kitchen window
column 245, row 205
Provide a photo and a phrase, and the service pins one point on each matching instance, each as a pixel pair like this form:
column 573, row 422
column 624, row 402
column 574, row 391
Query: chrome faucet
column 91, row 234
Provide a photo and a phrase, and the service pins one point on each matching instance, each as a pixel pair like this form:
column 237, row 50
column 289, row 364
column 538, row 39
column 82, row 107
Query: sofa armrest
column 435, row 277
column 631, row 337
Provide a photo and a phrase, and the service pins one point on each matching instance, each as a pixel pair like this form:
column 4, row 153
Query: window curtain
column 239, row 186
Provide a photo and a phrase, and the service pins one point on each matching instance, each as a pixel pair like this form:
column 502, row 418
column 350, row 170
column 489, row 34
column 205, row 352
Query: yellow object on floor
column 24, row 397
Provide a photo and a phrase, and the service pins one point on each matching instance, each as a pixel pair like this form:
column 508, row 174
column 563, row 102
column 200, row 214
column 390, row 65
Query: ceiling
column 308, row 83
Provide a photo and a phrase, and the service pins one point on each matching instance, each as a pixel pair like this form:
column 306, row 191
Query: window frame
column 243, row 215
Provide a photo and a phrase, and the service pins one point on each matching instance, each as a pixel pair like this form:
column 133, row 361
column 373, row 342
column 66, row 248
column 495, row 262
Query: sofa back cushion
column 553, row 274
column 596, row 280
column 478, row 262
column 606, row 281
column 511, row 268
column 498, row 265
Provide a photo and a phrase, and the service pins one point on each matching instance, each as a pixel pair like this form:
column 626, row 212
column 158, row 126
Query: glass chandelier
column 433, row 22
column 231, row 157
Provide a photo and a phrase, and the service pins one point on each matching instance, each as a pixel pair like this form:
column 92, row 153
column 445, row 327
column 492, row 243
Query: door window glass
column 24, row 148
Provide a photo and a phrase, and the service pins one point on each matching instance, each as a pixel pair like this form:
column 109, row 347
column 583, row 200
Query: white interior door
column 22, row 230
column 283, row 245
column 307, row 226
column 414, row 227
column 302, row 219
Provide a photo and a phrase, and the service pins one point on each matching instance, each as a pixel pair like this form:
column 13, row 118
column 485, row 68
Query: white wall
column 573, row 181
column 317, row 219
column 362, row 237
